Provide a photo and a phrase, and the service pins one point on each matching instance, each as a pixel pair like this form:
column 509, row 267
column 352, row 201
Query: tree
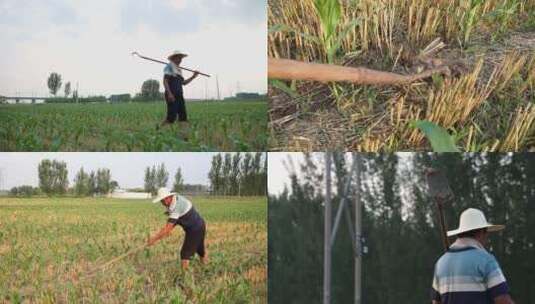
column 113, row 185
column 162, row 176
column 103, row 181
column 92, row 184
column 67, row 89
column 24, row 191
column 234, row 176
column 215, row 175
column 150, row 182
column 150, row 89
column 81, row 183
column 155, row 177
column 178, row 185
column 54, row 83
column 246, row 175
column 53, row 177
column 227, row 166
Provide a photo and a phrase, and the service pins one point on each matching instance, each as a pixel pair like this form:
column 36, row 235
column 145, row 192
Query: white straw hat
column 472, row 219
column 177, row 53
column 162, row 193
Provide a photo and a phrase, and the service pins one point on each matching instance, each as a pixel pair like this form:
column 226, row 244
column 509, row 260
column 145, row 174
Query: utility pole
column 217, row 84
column 354, row 229
column 205, row 89
column 327, row 233
column 358, row 233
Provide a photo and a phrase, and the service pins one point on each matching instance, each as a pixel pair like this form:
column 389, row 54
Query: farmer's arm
column 503, row 299
column 195, row 74
column 498, row 288
column 168, row 88
column 165, row 231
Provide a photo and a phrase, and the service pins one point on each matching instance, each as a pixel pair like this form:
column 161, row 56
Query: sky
column 90, row 42
column 126, row 168
column 278, row 175
column 280, row 162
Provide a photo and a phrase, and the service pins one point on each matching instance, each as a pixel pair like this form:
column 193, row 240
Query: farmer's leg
column 201, row 249
column 188, row 249
column 172, row 111
column 182, row 113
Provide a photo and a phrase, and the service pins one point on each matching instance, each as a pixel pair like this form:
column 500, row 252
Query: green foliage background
column 400, row 226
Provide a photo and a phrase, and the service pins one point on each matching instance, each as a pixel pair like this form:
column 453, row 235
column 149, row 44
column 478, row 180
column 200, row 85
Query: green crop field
column 49, row 245
column 214, row 126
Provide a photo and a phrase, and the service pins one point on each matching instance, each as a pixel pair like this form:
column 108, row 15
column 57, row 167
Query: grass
column 221, row 126
column 486, row 104
column 48, row 244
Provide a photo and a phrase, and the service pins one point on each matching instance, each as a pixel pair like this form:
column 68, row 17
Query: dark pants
column 193, row 243
column 176, row 108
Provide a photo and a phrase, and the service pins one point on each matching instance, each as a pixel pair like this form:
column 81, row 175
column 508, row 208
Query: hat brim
column 490, row 228
column 159, row 198
column 177, row 55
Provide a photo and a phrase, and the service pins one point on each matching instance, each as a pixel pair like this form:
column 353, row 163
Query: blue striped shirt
column 468, row 275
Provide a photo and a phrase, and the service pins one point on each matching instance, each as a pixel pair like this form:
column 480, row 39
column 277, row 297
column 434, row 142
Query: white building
column 123, row 194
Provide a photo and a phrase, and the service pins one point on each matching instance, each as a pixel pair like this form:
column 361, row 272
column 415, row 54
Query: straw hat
column 177, row 53
column 472, row 219
column 162, row 193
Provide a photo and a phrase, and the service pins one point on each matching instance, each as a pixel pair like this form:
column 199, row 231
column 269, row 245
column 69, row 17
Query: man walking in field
column 174, row 95
column 467, row 273
column 181, row 212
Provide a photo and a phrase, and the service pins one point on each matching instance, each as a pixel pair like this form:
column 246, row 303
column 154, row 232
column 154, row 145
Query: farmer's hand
column 195, row 73
column 171, row 97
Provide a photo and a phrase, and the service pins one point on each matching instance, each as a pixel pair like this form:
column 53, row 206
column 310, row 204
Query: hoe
column 439, row 189
column 163, row 62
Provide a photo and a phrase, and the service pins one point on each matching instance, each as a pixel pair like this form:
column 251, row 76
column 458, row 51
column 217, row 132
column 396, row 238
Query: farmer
column 181, row 212
column 467, row 273
column 174, row 97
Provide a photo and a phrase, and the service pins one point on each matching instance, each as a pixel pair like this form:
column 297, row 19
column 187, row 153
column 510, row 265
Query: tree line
column 157, row 177
column 239, row 174
column 400, row 225
column 150, row 91
column 54, row 181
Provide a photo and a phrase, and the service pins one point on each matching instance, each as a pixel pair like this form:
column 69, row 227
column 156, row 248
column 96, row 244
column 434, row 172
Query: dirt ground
column 312, row 121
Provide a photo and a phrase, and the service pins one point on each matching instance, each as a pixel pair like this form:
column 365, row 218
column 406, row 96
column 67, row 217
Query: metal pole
column 327, row 233
column 358, row 232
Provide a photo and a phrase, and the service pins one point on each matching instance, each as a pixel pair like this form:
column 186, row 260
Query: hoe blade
column 438, row 185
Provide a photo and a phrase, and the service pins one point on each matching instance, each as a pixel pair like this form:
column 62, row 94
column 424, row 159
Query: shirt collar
column 173, row 203
column 467, row 242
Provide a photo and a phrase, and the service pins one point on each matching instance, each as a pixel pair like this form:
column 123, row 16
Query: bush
column 141, row 98
column 59, row 100
column 24, row 191
column 80, row 100
column 120, row 98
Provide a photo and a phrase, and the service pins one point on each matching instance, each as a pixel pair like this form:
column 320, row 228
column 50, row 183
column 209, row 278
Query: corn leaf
column 440, row 139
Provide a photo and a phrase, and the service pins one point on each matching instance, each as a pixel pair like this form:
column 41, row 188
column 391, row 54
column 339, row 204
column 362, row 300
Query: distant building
column 120, row 98
column 123, row 194
column 245, row 95
column 19, row 99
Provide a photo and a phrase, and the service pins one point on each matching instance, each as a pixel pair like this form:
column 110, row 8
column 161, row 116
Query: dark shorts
column 193, row 243
column 176, row 109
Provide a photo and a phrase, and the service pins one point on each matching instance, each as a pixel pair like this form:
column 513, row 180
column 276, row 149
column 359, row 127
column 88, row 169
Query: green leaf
column 440, row 139
column 283, row 87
